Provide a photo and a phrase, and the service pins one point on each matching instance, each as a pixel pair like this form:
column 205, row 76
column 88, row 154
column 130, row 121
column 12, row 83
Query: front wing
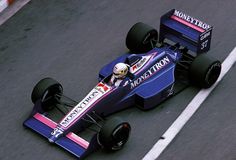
column 70, row 142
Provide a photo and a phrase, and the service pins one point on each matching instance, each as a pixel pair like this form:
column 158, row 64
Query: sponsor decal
column 102, row 87
column 156, row 67
column 134, row 67
column 205, row 35
column 191, row 20
column 139, row 64
column 86, row 102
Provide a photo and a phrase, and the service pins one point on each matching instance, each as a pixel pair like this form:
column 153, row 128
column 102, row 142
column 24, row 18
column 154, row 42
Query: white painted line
column 192, row 107
column 11, row 10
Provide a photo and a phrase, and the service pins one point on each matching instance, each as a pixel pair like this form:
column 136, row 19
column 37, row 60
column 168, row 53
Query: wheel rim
column 213, row 74
column 48, row 99
column 150, row 39
column 50, row 92
column 120, row 136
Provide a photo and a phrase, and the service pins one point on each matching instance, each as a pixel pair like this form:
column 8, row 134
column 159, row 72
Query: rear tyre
column 114, row 134
column 45, row 91
column 204, row 71
column 141, row 38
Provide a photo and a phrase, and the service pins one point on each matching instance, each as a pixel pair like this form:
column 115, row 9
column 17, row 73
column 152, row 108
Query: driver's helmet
column 120, row 70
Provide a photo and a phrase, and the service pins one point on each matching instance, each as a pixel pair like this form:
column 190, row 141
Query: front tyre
column 114, row 134
column 204, row 71
column 45, row 91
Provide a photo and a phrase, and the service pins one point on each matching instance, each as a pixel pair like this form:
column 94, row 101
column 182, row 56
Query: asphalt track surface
column 72, row 41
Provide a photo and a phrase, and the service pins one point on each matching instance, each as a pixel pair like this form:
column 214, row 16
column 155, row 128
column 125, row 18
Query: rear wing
column 185, row 30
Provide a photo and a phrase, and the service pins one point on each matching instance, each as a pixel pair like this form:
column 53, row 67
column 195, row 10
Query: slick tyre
column 114, row 134
column 141, row 38
column 45, row 91
column 204, row 71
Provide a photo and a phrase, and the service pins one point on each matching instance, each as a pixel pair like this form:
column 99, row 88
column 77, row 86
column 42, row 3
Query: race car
column 158, row 68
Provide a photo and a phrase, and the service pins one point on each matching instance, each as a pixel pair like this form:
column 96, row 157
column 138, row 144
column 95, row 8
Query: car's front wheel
column 45, row 91
column 114, row 134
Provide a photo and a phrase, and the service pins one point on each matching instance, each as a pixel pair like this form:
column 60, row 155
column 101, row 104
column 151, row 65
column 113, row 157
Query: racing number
column 204, row 44
column 56, row 132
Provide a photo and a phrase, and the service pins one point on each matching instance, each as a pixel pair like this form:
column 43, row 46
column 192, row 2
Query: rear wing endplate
column 185, row 30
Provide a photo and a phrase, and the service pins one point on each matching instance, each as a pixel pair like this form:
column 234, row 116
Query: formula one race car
column 157, row 70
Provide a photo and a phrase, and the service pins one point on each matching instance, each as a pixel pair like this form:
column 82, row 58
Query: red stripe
column 45, row 120
column 187, row 23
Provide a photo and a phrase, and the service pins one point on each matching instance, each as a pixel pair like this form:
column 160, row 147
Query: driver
column 120, row 72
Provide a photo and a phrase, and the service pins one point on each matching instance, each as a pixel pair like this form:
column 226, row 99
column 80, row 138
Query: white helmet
column 120, row 70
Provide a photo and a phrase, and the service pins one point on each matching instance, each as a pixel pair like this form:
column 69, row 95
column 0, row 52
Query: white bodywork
column 95, row 94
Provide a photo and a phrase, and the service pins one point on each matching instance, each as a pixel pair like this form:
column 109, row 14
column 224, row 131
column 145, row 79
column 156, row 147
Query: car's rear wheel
column 141, row 38
column 204, row 71
column 114, row 134
column 45, row 91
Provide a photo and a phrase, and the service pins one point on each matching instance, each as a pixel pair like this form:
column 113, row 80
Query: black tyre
column 141, row 38
column 114, row 134
column 45, row 90
column 204, row 71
